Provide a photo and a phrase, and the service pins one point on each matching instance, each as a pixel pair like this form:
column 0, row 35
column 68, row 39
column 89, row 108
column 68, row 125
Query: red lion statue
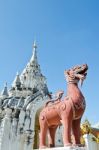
column 67, row 112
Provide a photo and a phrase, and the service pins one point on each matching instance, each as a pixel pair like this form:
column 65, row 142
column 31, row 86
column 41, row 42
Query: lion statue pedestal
column 67, row 148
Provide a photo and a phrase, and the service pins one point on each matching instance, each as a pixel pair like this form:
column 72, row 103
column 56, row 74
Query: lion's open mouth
column 82, row 70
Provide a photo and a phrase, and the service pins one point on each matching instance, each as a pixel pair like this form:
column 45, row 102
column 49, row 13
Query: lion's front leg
column 76, row 131
column 67, row 118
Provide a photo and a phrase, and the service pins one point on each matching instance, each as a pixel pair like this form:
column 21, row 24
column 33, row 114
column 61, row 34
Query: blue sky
column 67, row 33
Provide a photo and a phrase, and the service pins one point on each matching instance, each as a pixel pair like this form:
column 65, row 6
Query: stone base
column 66, row 148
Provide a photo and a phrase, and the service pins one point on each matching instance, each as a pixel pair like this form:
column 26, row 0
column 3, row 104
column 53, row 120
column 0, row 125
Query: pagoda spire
column 16, row 82
column 34, row 56
column 31, row 77
column 5, row 91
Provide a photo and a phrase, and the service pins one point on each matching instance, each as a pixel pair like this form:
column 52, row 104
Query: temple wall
column 90, row 143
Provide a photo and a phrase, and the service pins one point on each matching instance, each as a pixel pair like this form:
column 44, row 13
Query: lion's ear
column 66, row 72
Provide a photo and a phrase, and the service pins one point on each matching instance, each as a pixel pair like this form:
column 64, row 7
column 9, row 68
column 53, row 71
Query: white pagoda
column 20, row 106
